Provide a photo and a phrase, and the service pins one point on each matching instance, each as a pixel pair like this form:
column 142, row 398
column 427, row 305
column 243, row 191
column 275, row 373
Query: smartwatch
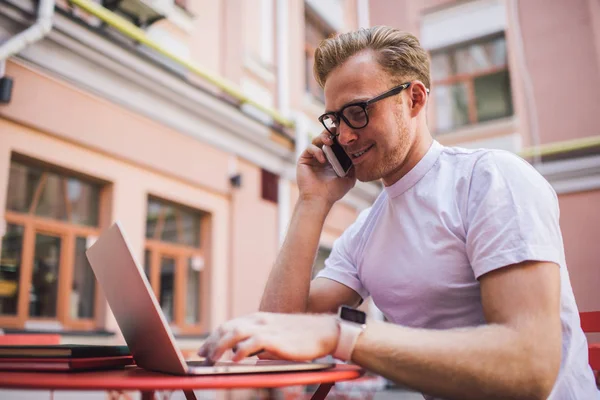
column 352, row 323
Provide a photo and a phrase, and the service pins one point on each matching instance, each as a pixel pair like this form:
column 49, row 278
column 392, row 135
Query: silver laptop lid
column 133, row 303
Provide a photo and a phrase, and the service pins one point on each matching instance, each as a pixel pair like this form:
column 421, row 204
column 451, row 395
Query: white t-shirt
column 458, row 214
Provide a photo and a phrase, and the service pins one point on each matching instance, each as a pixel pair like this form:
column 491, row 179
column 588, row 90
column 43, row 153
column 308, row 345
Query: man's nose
column 346, row 135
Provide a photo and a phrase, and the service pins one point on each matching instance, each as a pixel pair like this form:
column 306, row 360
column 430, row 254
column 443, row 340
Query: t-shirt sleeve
column 341, row 264
column 512, row 215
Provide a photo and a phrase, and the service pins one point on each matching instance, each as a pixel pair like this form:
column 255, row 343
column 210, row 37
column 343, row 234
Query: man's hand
column 316, row 177
column 296, row 337
column 288, row 289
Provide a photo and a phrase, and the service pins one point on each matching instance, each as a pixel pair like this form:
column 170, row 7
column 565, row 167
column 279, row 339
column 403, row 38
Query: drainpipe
column 35, row 32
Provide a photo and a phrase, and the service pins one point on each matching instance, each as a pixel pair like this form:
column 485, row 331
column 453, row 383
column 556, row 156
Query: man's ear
column 418, row 96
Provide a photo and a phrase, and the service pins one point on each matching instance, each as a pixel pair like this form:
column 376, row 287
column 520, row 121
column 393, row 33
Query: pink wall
column 562, row 57
column 232, row 42
column 254, row 241
column 395, row 14
column 594, row 10
column 71, row 114
column 580, row 224
column 251, row 27
column 351, row 13
column 206, row 38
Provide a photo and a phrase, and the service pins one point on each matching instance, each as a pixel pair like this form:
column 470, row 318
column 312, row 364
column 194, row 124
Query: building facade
column 183, row 120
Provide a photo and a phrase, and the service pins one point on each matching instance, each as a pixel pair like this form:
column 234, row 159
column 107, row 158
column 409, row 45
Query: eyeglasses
column 355, row 114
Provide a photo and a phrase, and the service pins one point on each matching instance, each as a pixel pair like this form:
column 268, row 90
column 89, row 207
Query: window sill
column 479, row 131
column 259, row 68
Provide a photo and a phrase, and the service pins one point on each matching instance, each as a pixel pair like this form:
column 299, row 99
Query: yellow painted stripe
column 561, row 147
column 133, row 32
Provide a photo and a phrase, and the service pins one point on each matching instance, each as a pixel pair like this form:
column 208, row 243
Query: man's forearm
column 289, row 282
column 491, row 361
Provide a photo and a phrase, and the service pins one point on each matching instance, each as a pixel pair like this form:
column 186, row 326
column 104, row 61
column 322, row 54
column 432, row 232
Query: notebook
column 63, row 364
column 63, row 350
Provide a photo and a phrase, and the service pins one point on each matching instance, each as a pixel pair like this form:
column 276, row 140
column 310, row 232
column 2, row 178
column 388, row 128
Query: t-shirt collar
column 417, row 172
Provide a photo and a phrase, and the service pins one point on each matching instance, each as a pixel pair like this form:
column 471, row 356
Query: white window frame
column 267, row 32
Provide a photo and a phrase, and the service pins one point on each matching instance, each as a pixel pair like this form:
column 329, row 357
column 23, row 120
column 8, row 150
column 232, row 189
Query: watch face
column 353, row 315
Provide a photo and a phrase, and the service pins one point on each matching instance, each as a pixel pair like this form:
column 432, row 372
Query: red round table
column 134, row 378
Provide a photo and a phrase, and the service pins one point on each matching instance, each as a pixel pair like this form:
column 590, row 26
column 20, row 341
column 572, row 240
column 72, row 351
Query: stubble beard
column 392, row 159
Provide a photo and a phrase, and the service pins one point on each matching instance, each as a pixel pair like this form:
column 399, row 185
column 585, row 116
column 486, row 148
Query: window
column 267, row 32
column 471, row 83
column 269, row 186
column 44, row 274
column 316, row 30
column 175, row 263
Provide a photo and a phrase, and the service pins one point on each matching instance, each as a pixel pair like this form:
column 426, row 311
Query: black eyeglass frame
column 339, row 115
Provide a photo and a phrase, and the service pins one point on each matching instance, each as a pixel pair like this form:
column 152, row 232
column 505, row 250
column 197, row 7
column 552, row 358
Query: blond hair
column 399, row 53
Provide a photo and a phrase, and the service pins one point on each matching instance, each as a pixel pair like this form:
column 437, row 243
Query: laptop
column 144, row 326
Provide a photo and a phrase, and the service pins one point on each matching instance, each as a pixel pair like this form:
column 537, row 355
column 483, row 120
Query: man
column 462, row 251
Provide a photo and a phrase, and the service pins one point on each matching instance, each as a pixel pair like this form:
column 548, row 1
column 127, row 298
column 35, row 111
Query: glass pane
column 496, row 51
column 181, row 225
column 169, row 231
column 190, row 226
column 44, row 281
column 10, row 269
column 167, row 287
column 83, row 292
column 154, row 208
column 481, row 56
column 52, row 202
column 451, row 105
column 192, row 302
column 441, row 67
column 147, row 261
column 493, row 96
column 22, row 182
column 84, row 199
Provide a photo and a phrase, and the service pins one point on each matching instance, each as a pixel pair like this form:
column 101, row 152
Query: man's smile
column 358, row 156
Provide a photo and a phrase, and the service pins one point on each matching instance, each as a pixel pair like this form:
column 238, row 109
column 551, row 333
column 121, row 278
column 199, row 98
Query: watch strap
column 349, row 333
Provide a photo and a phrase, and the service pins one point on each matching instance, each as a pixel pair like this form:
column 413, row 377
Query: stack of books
column 66, row 357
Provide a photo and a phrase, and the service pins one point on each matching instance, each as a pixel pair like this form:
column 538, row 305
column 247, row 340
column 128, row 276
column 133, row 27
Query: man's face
column 379, row 149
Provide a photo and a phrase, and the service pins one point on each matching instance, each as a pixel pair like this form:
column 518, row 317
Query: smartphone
column 337, row 157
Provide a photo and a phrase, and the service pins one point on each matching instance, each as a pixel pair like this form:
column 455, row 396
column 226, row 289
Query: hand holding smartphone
column 337, row 157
